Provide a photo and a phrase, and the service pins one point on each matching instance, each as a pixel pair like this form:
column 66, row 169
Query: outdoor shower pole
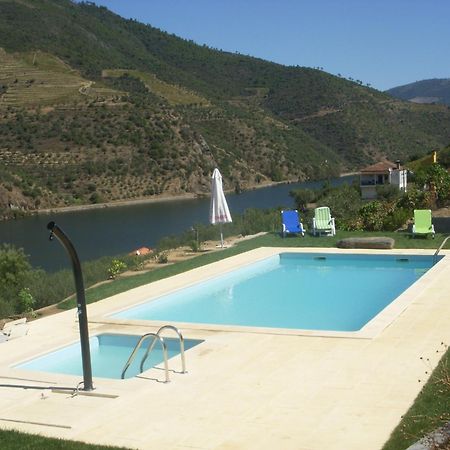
column 81, row 303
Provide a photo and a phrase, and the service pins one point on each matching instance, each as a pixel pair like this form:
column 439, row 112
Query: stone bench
column 380, row 242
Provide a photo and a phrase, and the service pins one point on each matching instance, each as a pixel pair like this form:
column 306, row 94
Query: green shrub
column 169, row 242
column 6, row 309
column 414, row 199
column 387, row 192
column 380, row 216
column 396, row 219
column 195, row 246
column 302, row 197
column 371, row 216
column 162, row 258
column 137, row 263
column 117, row 266
column 26, row 301
column 344, row 202
column 48, row 288
column 254, row 221
column 437, row 177
column 15, row 272
column 95, row 197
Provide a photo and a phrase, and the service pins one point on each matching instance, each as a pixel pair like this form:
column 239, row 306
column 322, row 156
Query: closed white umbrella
column 218, row 208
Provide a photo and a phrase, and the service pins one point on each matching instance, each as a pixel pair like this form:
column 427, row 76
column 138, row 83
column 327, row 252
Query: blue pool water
column 109, row 353
column 292, row 290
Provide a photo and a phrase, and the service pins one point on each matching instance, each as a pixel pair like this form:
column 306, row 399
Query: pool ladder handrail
column 180, row 338
column 157, row 337
column 439, row 249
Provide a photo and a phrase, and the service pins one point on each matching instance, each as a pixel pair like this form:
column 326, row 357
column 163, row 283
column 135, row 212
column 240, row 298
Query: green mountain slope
column 94, row 108
column 425, row 91
column 442, row 158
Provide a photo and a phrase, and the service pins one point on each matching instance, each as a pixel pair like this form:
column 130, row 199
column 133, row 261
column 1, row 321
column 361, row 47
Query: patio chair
column 422, row 223
column 323, row 222
column 291, row 223
column 14, row 329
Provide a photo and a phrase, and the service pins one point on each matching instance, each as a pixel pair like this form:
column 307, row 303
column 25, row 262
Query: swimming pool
column 109, row 353
column 311, row 291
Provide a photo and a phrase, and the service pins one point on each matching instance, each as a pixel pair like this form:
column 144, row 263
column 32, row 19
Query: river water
column 121, row 229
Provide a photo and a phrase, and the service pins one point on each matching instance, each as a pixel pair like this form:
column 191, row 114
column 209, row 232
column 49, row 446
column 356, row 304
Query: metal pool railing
column 439, row 249
column 156, row 337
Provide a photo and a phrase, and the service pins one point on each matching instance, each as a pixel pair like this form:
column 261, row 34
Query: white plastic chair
column 14, row 329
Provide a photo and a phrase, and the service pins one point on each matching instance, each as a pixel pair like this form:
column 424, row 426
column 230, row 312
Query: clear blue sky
column 386, row 43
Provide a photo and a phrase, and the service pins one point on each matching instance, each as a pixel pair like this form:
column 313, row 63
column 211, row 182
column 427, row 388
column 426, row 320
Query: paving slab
column 244, row 389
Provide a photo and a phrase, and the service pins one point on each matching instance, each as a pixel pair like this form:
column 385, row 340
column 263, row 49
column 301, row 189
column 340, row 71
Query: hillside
column 425, row 91
column 97, row 108
column 442, row 158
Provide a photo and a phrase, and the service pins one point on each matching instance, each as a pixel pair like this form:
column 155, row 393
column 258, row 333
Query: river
column 121, row 229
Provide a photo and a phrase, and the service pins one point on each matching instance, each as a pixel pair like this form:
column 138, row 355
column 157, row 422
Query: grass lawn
column 430, row 410
column 14, row 440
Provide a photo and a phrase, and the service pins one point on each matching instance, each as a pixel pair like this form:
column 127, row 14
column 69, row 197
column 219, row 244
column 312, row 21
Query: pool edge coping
column 370, row 330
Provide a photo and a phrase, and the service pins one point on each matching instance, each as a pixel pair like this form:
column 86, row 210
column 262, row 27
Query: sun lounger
column 422, row 223
column 291, row 223
column 323, row 222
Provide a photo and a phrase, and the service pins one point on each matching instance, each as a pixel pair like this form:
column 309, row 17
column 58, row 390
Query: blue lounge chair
column 291, row 223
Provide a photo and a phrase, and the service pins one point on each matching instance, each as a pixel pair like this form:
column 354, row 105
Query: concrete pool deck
column 244, row 390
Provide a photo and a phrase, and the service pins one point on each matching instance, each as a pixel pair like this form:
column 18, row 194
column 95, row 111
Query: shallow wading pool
column 109, row 353
column 311, row 291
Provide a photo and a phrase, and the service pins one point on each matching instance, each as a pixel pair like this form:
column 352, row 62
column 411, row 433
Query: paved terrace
column 244, row 390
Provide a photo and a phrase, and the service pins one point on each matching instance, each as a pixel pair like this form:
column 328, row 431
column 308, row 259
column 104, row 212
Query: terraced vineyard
column 175, row 95
column 39, row 79
column 31, row 85
column 94, row 107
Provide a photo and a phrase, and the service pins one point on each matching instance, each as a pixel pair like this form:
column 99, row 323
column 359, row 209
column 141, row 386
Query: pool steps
column 156, row 337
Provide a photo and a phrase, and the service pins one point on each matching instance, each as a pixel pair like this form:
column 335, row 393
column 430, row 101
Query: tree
column 302, row 197
column 15, row 271
column 344, row 202
column 437, row 178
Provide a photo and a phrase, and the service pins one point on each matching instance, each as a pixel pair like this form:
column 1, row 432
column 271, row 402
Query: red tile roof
column 141, row 251
column 380, row 167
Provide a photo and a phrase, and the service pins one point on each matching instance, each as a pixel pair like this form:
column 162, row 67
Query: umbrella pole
column 221, row 236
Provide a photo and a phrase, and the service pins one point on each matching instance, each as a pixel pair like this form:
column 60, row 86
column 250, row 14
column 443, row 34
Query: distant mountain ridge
column 97, row 108
column 436, row 90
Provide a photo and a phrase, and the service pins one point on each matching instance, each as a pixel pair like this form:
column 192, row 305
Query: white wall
column 399, row 178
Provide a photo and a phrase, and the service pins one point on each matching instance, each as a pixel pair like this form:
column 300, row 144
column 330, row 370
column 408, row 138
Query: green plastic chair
column 422, row 223
column 323, row 222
